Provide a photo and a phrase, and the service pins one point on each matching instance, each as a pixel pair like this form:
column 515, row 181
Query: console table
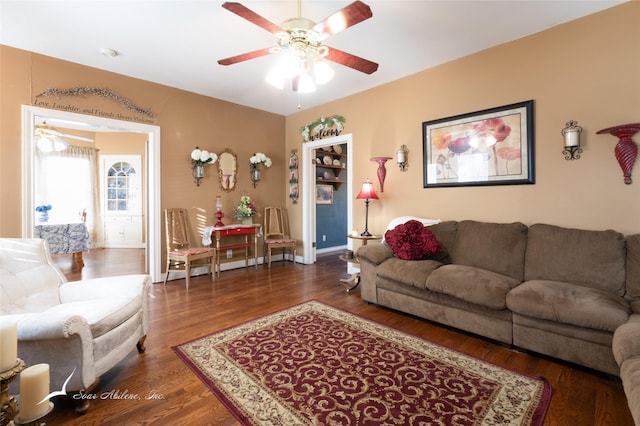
column 220, row 232
column 66, row 238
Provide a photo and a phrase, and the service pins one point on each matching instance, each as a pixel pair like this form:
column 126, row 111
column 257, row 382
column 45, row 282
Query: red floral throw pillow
column 412, row 241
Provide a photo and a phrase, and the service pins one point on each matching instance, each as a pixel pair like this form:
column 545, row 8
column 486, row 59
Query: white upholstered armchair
column 89, row 325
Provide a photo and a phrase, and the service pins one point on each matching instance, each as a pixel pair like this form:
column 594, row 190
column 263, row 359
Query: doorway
column 151, row 222
column 309, row 191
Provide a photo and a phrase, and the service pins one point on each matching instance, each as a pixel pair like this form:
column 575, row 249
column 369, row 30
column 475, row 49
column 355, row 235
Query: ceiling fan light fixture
column 299, row 43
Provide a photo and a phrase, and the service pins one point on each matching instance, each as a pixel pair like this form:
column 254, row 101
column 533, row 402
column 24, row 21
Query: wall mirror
column 227, row 169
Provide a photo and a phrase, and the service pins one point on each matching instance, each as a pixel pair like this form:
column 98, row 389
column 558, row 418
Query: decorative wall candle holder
column 571, row 135
column 626, row 150
column 382, row 170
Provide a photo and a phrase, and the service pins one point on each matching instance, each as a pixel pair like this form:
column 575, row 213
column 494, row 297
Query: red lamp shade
column 367, row 192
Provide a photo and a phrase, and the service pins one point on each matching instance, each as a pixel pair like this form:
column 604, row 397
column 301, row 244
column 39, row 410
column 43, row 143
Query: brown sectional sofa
column 568, row 293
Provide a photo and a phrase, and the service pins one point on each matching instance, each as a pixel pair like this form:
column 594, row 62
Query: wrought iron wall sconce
column 402, row 158
column 255, row 175
column 382, row 170
column 571, row 135
column 198, row 173
column 626, row 150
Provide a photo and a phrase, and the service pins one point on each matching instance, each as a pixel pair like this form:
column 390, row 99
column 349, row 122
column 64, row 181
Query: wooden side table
column 354, row 279
column 219, row 232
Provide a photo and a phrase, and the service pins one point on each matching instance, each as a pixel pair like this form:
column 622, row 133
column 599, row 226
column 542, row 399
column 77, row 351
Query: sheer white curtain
column 68, row 180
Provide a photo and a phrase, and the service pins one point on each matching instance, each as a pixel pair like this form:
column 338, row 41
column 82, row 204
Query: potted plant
column 245, row 211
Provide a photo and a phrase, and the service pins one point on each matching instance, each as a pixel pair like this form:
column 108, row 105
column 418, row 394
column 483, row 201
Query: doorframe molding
column 153, row 244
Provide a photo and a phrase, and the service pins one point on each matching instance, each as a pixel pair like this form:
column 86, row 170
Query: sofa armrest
column 626, row 340
column 100, row 288
column 107, row 287
column 51, row 325
column 375, row 253
column 63, row 341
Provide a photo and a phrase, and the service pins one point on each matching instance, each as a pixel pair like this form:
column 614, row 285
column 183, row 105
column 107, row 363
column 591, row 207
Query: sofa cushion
column 633, row 266
column 497, row 247
column 445, row 233
column 411, row 272
column 413, row 241
column 569, row 304
column 594, row 259
column 471, row 284
column 102, row 315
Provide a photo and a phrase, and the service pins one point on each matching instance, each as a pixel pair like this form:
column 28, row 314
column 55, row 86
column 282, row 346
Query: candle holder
column 382, row 170
column 219, row 214
column 32, row 422
column 8, row 404
column 626, row 150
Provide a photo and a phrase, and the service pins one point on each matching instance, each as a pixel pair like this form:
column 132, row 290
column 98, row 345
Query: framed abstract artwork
column 488, row 147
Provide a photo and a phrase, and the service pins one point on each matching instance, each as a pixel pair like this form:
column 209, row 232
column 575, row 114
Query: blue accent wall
column 331, row 219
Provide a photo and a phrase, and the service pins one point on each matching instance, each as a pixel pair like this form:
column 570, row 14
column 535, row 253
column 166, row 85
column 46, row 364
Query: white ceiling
column 177, row 43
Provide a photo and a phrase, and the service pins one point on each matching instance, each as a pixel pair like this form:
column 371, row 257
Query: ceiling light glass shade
column 323, row 72
column 288, row 64
column 306, row 84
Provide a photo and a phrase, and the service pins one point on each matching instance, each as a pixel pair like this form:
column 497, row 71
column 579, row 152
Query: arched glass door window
column 122, row 191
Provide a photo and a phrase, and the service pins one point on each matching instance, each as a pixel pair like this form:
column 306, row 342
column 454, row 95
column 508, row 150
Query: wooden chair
column 276, row 233
column 180, row 252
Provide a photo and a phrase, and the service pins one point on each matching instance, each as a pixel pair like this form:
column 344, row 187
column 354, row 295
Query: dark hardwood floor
column 169, row 393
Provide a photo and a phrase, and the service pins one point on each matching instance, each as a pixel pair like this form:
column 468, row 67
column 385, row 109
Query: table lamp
column 366, row 193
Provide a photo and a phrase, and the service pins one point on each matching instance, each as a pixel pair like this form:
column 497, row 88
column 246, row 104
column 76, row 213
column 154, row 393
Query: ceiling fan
column 302, row 39
column 48, row 138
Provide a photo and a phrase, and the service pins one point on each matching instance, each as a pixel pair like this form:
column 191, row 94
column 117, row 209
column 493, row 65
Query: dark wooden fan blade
column 351, row 61
column 251, row 16
column 245, row 56
column 353, row 14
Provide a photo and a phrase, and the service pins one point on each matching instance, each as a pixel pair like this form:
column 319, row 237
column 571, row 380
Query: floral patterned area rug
column 316, row 365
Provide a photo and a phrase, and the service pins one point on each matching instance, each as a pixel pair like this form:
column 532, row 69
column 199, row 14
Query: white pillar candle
column 34, row 387
column 571, row 138
column 8, row 345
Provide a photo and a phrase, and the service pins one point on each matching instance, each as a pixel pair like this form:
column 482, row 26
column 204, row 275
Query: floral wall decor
column 257, row 161
column 323, row 127
column 199, row 158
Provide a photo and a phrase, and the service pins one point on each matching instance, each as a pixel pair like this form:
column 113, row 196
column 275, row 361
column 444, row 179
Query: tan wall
column 186, row 120
column 586, row 70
